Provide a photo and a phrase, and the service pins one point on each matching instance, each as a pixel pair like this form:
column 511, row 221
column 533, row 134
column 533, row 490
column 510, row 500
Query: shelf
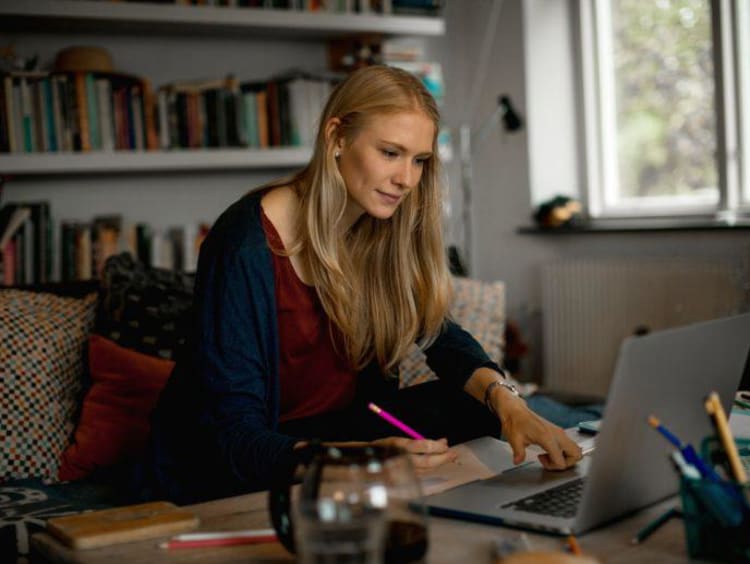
column 637, row 227
column 154, row 161
column 132, row 17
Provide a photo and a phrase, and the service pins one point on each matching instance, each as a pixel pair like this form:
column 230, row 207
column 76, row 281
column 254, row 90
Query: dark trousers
column 434, row 409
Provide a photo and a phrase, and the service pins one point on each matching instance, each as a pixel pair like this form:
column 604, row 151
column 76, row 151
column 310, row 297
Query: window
column 666, row 101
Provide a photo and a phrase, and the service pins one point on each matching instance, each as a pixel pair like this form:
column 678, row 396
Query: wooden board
column 121, row 524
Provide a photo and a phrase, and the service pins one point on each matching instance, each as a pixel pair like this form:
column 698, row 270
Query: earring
column 337, row 154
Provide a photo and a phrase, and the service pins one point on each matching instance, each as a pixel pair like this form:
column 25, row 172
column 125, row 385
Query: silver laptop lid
column 667, row 374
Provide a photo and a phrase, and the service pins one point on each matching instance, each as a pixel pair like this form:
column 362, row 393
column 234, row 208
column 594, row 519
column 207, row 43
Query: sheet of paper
column 478, row 459
column 483, row 458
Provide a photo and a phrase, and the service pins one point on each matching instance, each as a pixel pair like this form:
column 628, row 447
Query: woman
column 310, row 291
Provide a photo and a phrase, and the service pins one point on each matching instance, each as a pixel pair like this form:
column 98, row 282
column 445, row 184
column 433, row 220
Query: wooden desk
column 451, row 541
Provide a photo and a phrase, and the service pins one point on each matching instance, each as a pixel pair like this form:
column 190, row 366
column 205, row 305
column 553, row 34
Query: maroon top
column 314, row 377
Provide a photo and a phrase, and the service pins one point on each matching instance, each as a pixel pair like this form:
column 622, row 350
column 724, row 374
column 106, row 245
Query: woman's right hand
column 425, row 453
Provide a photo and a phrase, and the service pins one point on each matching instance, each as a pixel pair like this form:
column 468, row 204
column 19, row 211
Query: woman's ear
column 333, row 134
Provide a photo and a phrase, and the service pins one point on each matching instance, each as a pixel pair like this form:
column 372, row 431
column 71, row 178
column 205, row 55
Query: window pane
column 743, row 59
column 664, row 99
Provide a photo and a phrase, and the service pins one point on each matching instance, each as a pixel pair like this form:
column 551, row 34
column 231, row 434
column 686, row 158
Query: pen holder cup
column 717, row 514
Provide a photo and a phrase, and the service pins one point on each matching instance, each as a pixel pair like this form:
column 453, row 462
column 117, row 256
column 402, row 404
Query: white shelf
column 153, row 161
column 134, row 17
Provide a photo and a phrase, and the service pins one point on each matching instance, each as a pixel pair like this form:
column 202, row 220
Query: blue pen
column 687, row 450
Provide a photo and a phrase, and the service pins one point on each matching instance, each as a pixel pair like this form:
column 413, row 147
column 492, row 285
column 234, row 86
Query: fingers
column 562, row 453
column 424, row 446
column 425, row 453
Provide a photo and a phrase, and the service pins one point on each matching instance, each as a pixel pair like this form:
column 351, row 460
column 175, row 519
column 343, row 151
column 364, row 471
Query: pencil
column 573, row 545
column 719, row 419
column 395, row 422
column 228, row 538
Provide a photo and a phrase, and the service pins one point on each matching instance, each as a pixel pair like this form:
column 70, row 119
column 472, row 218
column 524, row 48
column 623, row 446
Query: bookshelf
column 71, row 17
column 133, row 17
column 153, row 161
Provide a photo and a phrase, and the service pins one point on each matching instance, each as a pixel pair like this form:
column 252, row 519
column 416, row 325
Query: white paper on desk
column 483, row 458
column 477, row 460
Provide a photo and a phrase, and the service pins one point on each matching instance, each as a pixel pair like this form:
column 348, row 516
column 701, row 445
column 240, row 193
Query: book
column 105, row 241
column 121, row 524
column 12, row 217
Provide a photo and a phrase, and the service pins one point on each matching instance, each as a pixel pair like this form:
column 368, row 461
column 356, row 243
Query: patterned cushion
column 144, row 308
column 478, row 307
column 41, row 351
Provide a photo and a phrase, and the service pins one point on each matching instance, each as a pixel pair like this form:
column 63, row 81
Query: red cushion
column 114, row 421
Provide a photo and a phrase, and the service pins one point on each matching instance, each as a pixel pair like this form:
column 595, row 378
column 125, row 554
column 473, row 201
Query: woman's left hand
column 522, row 427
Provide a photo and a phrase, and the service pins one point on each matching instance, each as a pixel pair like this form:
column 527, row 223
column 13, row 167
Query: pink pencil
column 395, row 422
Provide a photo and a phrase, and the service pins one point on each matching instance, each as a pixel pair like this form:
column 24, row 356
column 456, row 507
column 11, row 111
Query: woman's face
column 384, row 162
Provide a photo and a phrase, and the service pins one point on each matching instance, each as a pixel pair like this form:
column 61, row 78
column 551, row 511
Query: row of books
column 229, row 113
column 30, row 254
column 97, row 111
column 419, row 7
column 85, row 246
column 75, row 111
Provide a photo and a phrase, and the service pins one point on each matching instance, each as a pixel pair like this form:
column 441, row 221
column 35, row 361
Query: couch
column 82, row 367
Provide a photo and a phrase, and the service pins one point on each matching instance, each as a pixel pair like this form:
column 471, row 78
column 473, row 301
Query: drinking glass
column 356, row 504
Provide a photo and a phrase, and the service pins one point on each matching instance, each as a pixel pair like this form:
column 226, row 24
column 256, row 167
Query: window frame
column 730, row 28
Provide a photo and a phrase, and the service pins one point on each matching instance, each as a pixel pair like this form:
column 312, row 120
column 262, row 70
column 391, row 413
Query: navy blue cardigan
column 214, row 431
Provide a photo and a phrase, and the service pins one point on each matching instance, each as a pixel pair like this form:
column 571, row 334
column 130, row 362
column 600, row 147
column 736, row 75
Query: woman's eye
column 421, row 162
column 390, row 154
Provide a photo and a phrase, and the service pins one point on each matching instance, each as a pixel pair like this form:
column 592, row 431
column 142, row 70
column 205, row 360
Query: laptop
column 666, row 373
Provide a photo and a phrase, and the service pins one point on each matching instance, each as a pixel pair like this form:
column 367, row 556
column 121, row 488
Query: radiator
column 590, row 305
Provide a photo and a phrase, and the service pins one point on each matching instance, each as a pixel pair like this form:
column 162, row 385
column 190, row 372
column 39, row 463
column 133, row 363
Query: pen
column 654, row 525
column 687, row 450
column 227, row 538
column 687, row 470
column 719, row 420
column 395, row 422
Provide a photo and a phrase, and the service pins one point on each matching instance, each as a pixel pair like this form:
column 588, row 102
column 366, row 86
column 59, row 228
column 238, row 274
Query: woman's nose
column 404, row 176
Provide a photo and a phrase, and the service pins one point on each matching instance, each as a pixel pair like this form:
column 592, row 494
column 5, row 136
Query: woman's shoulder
column 239, row 226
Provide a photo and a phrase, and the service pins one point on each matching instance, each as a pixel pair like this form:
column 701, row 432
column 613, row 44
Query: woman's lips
column 389, row 198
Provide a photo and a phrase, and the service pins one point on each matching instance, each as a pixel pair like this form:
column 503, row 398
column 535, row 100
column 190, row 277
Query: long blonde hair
column 386, row 284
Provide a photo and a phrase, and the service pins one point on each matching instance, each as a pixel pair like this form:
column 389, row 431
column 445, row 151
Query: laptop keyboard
column 561, row 501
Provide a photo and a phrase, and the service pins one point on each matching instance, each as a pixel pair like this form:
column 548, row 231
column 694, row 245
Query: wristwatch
column 504, row 383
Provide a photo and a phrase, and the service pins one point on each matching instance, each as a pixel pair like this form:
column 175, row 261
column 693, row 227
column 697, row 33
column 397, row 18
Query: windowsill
column 637, row 226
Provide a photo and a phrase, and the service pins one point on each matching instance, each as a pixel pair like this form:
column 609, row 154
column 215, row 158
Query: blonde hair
column 385, row 285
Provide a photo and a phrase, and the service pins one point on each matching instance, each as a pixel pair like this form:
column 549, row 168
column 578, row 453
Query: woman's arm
column 458, row 357
column 237, row 358
column 521, row 426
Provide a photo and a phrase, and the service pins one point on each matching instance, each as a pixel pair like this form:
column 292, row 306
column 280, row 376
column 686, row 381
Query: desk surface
column 451, row 540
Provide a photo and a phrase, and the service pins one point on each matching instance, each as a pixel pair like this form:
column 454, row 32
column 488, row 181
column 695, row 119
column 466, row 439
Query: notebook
column 665, row 373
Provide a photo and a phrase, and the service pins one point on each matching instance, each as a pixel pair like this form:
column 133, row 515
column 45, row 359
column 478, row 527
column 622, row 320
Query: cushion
column 144, row 308
column 478, row 307
column 114, row 422
column 41, row 349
